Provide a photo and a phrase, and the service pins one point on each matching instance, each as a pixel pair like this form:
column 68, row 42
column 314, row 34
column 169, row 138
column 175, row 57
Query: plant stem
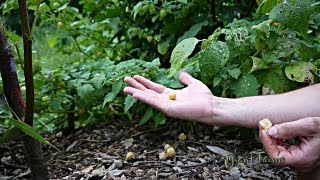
column 27, row 46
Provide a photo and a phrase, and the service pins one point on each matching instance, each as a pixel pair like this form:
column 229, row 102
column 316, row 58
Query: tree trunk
column 12, row 92
column 33, row 148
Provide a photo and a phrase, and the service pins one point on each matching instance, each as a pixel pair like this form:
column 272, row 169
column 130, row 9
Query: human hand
column 194, row 102
column 305, row 156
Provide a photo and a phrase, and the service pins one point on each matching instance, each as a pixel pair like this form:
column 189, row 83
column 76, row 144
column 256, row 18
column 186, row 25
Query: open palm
column 192, row 102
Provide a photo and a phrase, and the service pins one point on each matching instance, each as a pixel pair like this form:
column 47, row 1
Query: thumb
column 288, row 130
column 186, row 79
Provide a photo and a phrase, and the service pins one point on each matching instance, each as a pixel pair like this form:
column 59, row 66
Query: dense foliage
column 83, row 50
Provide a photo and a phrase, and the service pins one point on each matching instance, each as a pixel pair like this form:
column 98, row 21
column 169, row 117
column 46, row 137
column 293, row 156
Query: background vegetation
column 83, row 49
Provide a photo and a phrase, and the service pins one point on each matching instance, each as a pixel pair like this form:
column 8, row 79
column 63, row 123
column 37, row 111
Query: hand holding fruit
column 192, row 102
column 304, row 156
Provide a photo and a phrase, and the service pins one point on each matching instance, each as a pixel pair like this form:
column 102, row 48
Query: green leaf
column 180, row 53
column 193, row 31
column 212, row 59
column 13, row 36
column 147, row 115
column 129, row 102
column 44, row 8
column 116, row 87
column 216, row 81
column 268, row 58
column 163, row 47
column 55, row 105
column 85, row 90
column 98, row 80
column 183, row 1
column 12, row 134
column 30, row 131
column 159, row 118
column 286, row 46
column 247, row 85
column 266, row 6
column 275, row 79
column 108, row 98
column 300, row 72
column 257, row 64
column 293, row 15
column 235, row 73
column 263, row 27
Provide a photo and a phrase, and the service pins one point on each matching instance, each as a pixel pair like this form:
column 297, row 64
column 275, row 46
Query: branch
column 27, row 46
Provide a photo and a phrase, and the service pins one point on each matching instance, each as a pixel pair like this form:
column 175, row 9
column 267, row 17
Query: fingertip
column 126, row 78
column 137, row 76
column 272, row 131
column 126, row 90
column 185, row 78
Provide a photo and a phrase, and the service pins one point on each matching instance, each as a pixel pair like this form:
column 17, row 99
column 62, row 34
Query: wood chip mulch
column 99, row 151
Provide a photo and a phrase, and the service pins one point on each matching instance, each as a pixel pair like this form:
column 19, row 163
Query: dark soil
column 99, row 151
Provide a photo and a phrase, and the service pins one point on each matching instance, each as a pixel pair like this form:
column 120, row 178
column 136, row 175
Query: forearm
column 279, row 108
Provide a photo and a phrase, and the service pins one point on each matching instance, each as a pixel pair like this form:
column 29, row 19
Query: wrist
column 233, row 112
column 223, row 111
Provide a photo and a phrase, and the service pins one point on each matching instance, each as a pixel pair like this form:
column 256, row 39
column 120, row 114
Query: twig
column 170, row 164
column 14, row 166
column 78, row 46
column 146, row 131
column 95, row 141
column 19, row 56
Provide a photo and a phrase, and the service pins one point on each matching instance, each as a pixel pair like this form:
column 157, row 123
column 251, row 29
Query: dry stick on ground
column 151, row 163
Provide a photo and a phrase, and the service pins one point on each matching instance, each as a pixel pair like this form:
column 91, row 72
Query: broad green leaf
column 44, row 8
column 267, row 5
column 301, row 72
column 293, row 15
column 308, row 50
column 286, row 46
column 159, row 118
column 247, row 85
column 116, row 87
column 193, row 31
column 275, row 79
column 180, row 54
column 108, row 98
column 12, row 134
column 30, row 131
column 85, row 90
column 147, row 115
column 264, row 27
column 257, row 64
column 129, row 102
column 235, row 73
column 216, row 81
column 212, row 60
column 183, row 1
column 98, row 80
column 55, row 104
column 163, row 47
column 268, row 58
column 13, row 36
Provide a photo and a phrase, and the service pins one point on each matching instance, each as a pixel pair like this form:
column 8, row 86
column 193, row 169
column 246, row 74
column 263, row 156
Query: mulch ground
column 99, row 151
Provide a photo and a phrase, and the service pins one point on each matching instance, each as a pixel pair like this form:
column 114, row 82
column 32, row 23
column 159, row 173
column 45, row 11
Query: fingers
column 148, row 96
column 186, row 79
column 269, row 144
column 133, row 83
column 149, row 84
column 288, row 130
column 152, row 99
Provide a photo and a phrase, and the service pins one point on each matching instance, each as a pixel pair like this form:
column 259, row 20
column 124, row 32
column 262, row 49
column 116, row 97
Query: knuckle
column 315, row 124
